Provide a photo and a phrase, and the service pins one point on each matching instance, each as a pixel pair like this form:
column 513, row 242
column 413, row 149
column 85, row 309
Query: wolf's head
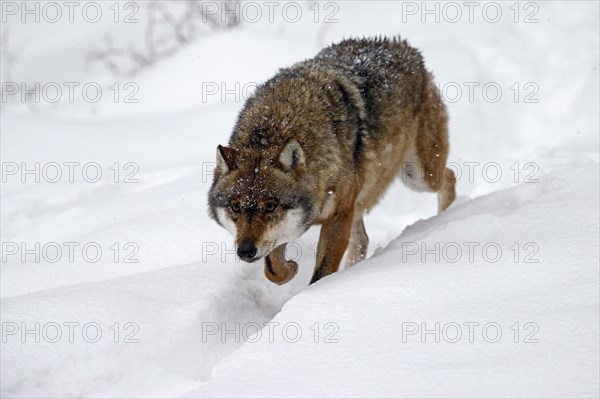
column 262, row 196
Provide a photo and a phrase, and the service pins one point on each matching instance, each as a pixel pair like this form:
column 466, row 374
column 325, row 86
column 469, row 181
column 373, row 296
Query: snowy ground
column 497, row 297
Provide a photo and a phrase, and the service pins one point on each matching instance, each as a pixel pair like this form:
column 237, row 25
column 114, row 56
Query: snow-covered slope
column 179, row 313
column 509, row 324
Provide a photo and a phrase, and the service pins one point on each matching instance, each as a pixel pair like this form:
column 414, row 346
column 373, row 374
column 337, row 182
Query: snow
column 376, row 304
column 188, row 310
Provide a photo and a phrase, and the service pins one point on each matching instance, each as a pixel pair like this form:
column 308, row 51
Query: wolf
column 320, row 142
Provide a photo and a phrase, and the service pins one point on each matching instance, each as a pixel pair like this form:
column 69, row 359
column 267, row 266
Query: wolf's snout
column 247, row 251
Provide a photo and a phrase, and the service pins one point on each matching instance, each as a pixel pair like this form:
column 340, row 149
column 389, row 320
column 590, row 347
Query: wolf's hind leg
column 359, row 241
column 431, row 150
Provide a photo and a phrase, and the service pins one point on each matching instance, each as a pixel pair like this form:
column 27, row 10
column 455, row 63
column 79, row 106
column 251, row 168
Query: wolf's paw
column 280, row 271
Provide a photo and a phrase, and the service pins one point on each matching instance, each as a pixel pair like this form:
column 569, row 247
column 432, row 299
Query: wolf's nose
column 247, row 251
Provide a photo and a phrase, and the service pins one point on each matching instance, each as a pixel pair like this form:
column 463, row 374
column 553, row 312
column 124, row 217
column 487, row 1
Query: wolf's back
column 384, row 70
column 377, row 56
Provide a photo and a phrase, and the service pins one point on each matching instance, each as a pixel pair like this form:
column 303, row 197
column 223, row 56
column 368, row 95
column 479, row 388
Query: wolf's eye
column 235, row 208
column 270, row 207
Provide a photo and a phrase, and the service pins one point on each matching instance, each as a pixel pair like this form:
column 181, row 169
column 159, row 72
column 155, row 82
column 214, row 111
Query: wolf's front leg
column 277, row 268
column 333, row 242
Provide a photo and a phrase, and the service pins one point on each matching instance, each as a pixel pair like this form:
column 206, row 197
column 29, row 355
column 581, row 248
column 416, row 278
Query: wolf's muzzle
column 247, row 251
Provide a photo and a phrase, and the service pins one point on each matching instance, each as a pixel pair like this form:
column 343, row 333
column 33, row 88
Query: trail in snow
column 161, row 349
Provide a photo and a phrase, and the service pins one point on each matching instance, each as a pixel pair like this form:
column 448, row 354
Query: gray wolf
column 320, row 142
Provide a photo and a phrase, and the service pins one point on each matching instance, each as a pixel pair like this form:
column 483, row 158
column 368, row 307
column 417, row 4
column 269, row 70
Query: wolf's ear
column 292, row 157
column 226, row 158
